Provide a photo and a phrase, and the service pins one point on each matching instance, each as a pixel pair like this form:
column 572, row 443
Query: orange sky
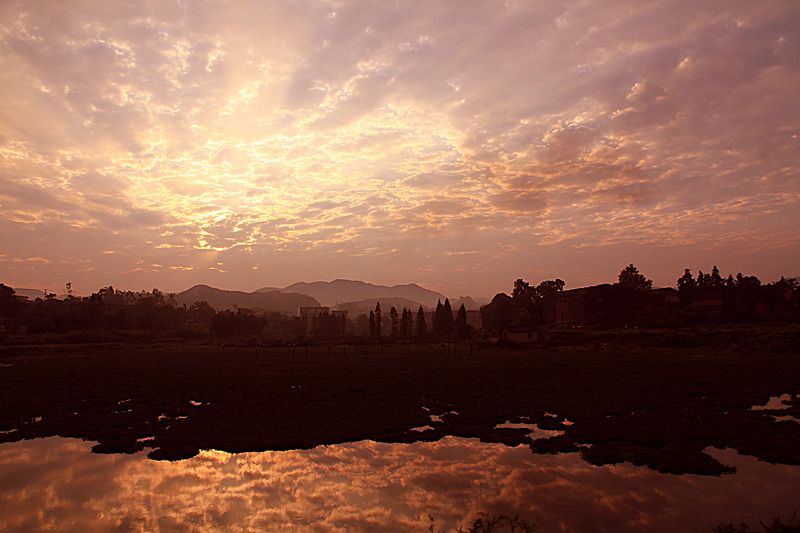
column 456, row 144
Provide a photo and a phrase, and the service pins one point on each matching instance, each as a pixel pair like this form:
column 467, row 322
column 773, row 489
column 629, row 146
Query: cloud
column 187, row 188
column 659, row 114
column 362, row 95
column 368, row 486
column 519, row 201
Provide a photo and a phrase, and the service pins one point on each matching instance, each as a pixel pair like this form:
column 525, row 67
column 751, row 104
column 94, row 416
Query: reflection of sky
column 56, row 484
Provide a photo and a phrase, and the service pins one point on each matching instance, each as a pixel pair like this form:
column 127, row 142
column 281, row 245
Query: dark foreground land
column 659, row 407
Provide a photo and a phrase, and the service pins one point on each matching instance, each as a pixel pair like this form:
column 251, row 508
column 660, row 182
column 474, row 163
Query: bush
column 496, row 524
column 777, row 526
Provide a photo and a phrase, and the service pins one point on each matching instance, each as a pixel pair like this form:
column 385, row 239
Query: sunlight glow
column 267, row 127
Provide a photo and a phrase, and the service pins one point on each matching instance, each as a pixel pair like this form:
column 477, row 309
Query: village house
column 6, row 325
column 315, row 312
column 523, row 335
column 324, row 320
column 577, row 305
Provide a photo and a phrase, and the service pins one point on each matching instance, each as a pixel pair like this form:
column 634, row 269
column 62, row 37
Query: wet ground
column 652, row 407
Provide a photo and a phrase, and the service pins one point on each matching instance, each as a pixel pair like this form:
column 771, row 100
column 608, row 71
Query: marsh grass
column 495, row 524
column 777, row 526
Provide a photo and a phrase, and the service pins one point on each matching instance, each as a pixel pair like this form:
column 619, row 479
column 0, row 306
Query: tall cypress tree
column 447, row 318
column 378, row 318
column 395, row 322
column 371, row 325
column 461, row 321
column 422, row 328
column 405, row 323
column 437, row 325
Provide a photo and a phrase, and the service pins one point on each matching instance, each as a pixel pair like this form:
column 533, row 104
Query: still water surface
column 56, row 484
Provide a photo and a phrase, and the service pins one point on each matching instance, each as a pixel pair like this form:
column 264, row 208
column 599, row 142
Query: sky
column 456, row 144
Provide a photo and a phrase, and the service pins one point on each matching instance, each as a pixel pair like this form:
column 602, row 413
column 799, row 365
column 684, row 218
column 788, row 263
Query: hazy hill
column 268, row 301
column 470, row 304
column 32, row 294
column 330, row 293
column 363, row 307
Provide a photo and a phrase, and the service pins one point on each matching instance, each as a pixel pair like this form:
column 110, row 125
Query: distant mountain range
column 31, row 294
column 340, row 291
column 356, row 297
column 286, row 302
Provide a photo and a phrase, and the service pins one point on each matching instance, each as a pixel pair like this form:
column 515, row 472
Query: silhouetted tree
column 499, row 313
column 229, row 324
column 742, row 297
column 373, row 331
column 715, row 280
column 378, row 320
column 201, row 313
column 631, row 294
column 461, row 322
column 447, row 318
column 703, row 281
column 278, row 327
column 522, row 293
column 300, row 328
column 394, row 321
column 443, row 319
column 327, row 326
column 630, row 278
column 549, row 288
column 360, row 325
column 9, row 306
column 747, row 288
column 687, row 287
column 436, row 326
column 437, row 316
column 406, row 323
column 422, row 327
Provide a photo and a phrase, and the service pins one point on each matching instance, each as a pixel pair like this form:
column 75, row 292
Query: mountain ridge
column 342, row 291
column 352, row 295
column 272, row 301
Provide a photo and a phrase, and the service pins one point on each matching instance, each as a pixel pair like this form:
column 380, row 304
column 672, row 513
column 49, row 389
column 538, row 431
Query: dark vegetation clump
column 495, row 524
column 776, row 526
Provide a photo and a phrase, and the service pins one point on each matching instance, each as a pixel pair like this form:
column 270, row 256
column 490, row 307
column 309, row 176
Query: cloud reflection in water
column 56, row 484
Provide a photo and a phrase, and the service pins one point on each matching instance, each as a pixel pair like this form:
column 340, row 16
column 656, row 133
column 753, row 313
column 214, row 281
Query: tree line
column 106, row 309
column 633, row 301
column 740, row 296
column 404, row 326
column 111, row 309
column 630, row 301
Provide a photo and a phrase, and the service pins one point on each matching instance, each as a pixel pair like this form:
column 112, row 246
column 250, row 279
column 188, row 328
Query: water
column 56, row 484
